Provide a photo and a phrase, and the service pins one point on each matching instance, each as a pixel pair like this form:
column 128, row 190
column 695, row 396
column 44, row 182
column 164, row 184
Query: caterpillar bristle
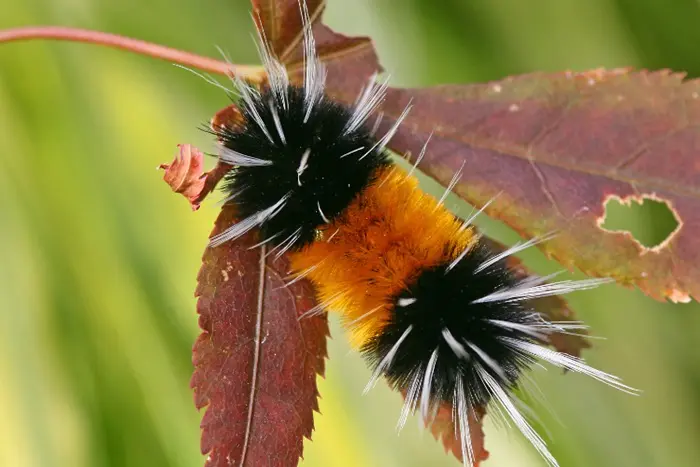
column 370, row 99
column 433, row 310
column 452, row 184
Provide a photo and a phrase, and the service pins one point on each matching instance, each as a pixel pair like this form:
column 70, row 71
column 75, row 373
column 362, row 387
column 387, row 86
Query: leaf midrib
column 256, row 355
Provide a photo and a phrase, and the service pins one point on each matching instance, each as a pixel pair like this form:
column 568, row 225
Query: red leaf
column 226, row 118
column 255, row 361
column 557, row 147
column 185, row 175
column 444, row 430
column 350, row 61
column 281, row 21
column 260, row 397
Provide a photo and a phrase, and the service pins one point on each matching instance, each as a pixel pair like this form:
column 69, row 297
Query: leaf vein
column 256, row 355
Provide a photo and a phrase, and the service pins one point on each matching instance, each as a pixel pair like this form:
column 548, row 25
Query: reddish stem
column 253, row 73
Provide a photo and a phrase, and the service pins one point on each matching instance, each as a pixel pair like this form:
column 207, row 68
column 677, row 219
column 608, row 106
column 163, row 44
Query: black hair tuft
column 315, row 162
column 440, row 301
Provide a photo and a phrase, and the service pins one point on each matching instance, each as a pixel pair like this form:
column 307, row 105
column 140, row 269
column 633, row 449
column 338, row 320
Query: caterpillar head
column 299, row 169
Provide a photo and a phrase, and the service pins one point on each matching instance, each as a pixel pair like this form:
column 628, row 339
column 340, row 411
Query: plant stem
column 250, row 72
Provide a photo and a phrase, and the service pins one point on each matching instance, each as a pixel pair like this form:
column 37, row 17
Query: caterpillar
column 430, row 306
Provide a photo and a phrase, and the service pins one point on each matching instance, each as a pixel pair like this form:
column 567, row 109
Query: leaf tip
column 678, row 296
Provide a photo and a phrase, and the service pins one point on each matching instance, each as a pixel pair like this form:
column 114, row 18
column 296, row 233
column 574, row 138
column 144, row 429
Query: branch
column 250, row 72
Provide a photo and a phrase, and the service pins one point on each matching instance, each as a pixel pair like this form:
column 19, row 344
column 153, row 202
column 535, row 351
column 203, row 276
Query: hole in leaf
column 650, row 220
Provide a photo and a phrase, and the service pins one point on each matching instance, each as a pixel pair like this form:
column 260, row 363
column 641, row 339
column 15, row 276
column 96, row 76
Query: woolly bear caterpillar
column 432, row 309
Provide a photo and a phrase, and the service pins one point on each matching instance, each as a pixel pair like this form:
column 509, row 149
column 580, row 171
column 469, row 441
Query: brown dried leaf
column 444, row 430
column 255, row 361
column 557, row 147
column 227, row 118
column 185, row 175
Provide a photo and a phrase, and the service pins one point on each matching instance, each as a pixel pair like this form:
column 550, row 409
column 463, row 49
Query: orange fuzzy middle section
column 385, row 237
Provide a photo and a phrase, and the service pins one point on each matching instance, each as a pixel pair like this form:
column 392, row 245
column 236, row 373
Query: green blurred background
column 98, row 258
